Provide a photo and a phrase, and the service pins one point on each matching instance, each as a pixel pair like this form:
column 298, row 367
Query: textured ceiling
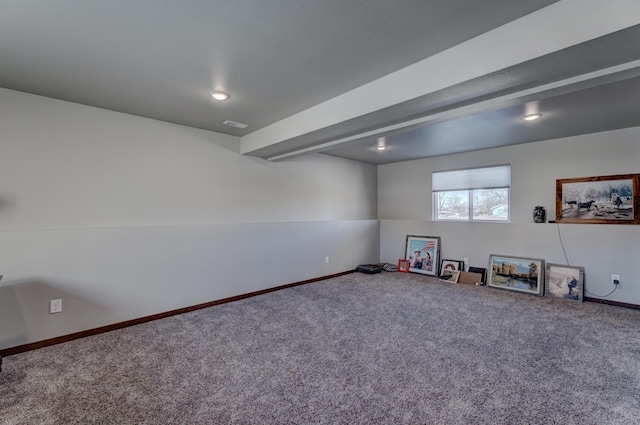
column 159, row 58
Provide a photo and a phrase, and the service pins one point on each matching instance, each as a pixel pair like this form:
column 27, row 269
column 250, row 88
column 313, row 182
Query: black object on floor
column 369, row 268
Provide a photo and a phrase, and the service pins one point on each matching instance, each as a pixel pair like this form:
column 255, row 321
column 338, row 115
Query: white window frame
column 471, row 179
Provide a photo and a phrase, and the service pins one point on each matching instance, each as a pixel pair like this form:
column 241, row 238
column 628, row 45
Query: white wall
column 123, row 217
column 404, row 207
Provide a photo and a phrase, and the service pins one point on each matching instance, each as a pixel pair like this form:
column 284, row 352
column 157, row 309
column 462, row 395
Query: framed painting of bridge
column 519, row 274
column 599, row 200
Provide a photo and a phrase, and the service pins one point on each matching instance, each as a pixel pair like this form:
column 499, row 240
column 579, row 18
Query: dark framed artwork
column 480, row 270
column 562, row 281
column 599, row 200
column 451, row 265
column 519, row 274
column 423, row 253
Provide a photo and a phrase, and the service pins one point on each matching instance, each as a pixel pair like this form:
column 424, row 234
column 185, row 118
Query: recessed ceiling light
column 235, row 124
column 381, row 143
column 531, row 117
column 381, row 147
column 219, row 95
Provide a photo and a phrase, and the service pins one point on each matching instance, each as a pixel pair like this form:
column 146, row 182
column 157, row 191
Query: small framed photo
column 403, row 266
column 562, row 281
column 451, row 265
column 519, row 274
column 450, row 275
column 423, row 254
column 479, row 270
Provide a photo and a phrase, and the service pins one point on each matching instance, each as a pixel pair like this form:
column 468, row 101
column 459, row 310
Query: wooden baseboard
column 616, row 303
column 108, row 328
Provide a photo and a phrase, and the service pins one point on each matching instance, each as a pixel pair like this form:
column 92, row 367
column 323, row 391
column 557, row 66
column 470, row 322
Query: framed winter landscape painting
column 603, row 199
column 562, row 281
column 423, row 253
column 519, row 274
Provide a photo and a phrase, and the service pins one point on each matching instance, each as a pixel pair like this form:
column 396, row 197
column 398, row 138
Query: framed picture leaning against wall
column 423, row 253
column 562, row 281
column 519, row 274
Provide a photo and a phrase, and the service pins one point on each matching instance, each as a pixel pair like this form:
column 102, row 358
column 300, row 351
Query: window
column 474, row 194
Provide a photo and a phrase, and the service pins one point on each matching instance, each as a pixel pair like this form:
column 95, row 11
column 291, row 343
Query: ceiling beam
column 556, row 27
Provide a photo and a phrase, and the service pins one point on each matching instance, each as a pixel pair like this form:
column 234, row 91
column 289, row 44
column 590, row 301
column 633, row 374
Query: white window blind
column 472, row 178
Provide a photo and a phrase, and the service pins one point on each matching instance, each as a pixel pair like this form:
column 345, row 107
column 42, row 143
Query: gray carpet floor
column 391, row 348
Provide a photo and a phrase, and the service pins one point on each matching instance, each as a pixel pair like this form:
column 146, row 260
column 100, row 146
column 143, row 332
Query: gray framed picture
column 563, row 281
column 423, row 253
column 520, row 274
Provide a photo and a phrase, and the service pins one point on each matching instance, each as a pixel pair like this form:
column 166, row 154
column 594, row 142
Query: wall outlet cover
column 55, row 306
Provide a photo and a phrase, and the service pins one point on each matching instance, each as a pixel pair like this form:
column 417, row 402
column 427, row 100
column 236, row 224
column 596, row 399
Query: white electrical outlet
column 326, row 260
column 615, row 279
column 55, row 306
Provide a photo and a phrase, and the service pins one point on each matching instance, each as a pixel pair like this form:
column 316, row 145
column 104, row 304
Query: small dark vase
column 539, row 214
